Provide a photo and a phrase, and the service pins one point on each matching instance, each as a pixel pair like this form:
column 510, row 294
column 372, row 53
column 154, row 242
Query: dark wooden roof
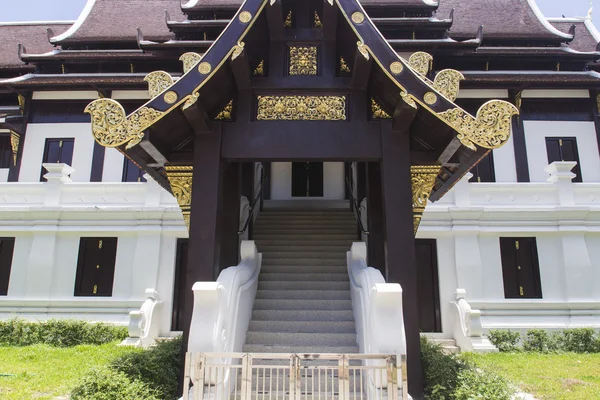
column 31, row 35
column 584, row 40
column 199, row 5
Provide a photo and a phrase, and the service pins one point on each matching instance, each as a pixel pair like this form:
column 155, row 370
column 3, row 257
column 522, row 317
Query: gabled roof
column 32, row 35
column 111, row 21
column 501, row 19
column 586, row 34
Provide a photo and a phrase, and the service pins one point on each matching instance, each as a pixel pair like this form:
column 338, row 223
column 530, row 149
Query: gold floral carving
column 238, row 49
column 191, row 101
column 226, row 113
column 301, row 108
column 430, row 98
column 378, row 112
column 180, row 178
column 260, row 69
column 358, row 17
column 420, row 62
column 15, row 139
column 112, row 128
column 519, row 100
column 363, row 49
column 288, row 20
column 22, row 102
column 303, row 61
column 245, row 17
column 447, row 82
column 204, row 68
column 423, row 180
column 408, row 99
column 490, row 129
column 170, row 97
column 158, row 82
column 317, row 22
column 344, row 68
column 396, row 67
column 189, row 60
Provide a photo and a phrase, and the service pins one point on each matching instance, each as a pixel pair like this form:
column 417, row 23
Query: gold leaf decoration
column 180, row 177
column 344, row 68
column 378, row 112
column 15, row 139
column 226, row 113
column 447, row 82
column 288, row 20
column 408, row 99
column 260, row 69
column 158, row 82
column 303, row 61
column 420, row 62
column 423, row 180
column 317, row 22
column 112, row 128
column 490, row 129
column 191, row 101
column 363, row 49
column 189, row 61
column 430, row 98
column 301, row 108
column 237, row 50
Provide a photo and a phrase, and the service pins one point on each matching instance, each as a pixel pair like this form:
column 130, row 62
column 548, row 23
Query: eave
column 539, row 79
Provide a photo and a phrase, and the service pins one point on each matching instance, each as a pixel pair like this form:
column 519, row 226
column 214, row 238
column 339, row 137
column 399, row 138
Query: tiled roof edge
column 82, row 17
column 540, row 16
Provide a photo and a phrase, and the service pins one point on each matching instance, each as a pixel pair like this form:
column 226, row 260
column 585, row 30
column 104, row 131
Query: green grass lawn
column 44, row 372
column 566, row 376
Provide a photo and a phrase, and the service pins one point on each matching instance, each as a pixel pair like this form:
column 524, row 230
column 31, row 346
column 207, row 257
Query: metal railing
column 251, row 376
column 356, row 206
column 257, row 197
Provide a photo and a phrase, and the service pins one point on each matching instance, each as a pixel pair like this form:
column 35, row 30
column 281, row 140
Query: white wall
column 112, row 170
column 35, row 141
column 505, row 168
column 333, row 181
column 587, row 146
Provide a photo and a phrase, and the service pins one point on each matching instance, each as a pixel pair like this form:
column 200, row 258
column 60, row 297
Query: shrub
column 158, row 367
column 60, row 333
column 505, row 341
column 474, row 383
column 440, row 371
column 537, row 340
column 580, row 340
column 108, row 384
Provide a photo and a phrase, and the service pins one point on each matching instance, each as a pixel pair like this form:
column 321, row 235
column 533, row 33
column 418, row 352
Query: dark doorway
column 428, row 286
column 179, row 285
column 307, row 179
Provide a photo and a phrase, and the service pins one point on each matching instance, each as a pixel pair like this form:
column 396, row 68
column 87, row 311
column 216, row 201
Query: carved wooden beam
column 241, row 69
column 423, row 179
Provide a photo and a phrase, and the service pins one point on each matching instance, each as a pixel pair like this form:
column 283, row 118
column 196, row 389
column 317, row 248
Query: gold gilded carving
column 396, row 67
column 301, row 108
column 237, row 50
column 15, row 139
column 245, row 17
column 189, row 60
column 519, row 101
column 112, row 128
column 363, row 49
column 303, row 60
column 22, row 102
column 170, row 97
column 423, row 180
column 344, row 68
column 317, row 22
column 358, row 18
column 447, row 82
column 490, row 129
column 288, row 20
column 225, row 114
column 408, row 99
column 260, row 69
column 420, row 62
column 191, row 101
column 204, row 68
column 180, row 178
column 430, row 98
column 378, row 112
column 158, row 82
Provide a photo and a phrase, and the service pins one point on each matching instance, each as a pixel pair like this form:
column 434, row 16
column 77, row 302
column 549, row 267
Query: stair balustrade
column 468, row 331
column 144, row 324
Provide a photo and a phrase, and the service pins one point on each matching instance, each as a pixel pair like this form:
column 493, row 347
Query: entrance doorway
column 307, row 179
column 427, row 279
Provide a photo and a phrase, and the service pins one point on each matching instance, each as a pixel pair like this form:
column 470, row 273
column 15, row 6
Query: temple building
column 364, row 172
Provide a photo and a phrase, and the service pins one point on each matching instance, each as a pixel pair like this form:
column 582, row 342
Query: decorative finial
column 591, row 10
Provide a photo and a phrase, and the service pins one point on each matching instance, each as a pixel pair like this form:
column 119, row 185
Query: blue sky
column 45, row 10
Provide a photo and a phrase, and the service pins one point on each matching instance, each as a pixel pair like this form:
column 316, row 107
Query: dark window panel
column 564, row 149
column 179, row 284
column 520, row 268
column 57, row 151
column 131, row 172
column 430, row 319
column 7, row 246
column 96, row 267
column 6, row 154
column 484, row 171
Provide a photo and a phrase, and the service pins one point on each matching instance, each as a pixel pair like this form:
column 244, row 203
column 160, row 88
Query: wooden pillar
column 230, row 215
column 400, row 242
column 376, row 244
column 361, row 181
column 520, row 148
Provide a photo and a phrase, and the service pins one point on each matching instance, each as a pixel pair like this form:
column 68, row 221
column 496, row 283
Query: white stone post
column 58, row 173
column 561, row 175
column 462, row 193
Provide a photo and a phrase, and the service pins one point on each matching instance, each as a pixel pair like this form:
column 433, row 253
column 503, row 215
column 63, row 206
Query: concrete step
column 340, row 255
column 302, row 221
column 309, row 262
column 309, row 231
column 257, row 348
column 305, row 269
column 260, row 243
column 293, row 237
column 274, row 248
column 303, row 285
column 325, row 278
column 303, row 326
column 302, row 315
column 301, row 339
column 301, row 304
column 304, row 294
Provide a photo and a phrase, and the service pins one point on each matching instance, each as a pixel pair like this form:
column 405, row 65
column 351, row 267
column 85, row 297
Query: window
column 520, row 268
column 564, row 149
column 484, row 171
column 96, row 266
column 57, row 151
column 6, row 154
column 7, row 246
column 131, row 172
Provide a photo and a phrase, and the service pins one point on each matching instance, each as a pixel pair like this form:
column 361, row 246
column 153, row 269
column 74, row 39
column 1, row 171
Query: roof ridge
column 78, row 23
column 36, row 23
column 540, row 16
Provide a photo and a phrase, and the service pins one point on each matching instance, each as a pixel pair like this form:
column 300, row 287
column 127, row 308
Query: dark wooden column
column 400, row 242
column 595, row 105
column 361, row 181
column 520, row 148
column 248, row 187
column 376, row 244
column 230, row 215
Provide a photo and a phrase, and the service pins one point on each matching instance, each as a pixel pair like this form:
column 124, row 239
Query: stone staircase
column 303, row 300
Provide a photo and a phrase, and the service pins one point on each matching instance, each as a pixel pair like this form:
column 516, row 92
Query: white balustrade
column 468, row 331
column 144, row 324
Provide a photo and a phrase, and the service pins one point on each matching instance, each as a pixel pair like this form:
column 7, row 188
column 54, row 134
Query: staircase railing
column 356, row 207
column 377, row 308
column 255, row 200
column 468, row 331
